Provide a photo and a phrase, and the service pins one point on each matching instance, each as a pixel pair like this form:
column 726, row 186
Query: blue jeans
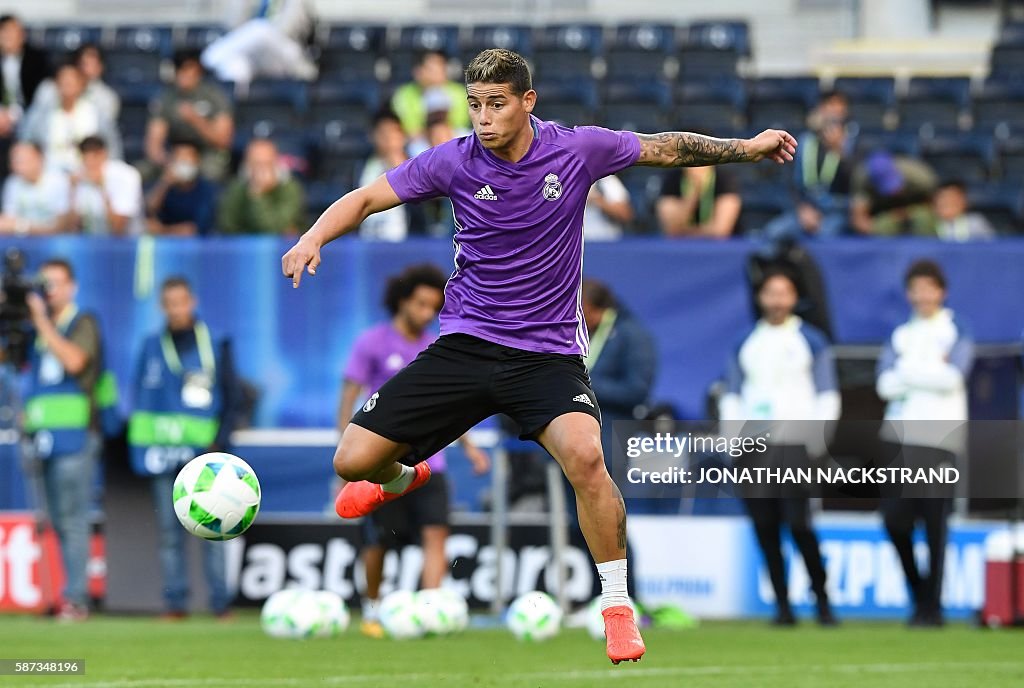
column 172, row 554
column 68, row 482
column 787, row 226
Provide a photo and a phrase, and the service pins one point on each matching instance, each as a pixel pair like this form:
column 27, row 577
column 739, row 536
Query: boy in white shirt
column 106, row 194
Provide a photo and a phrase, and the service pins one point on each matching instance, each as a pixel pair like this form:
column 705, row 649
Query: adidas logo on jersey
column 583, row 399
column 486, row 193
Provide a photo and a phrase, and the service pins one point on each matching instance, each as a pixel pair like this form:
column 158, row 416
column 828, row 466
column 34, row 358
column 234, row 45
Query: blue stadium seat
column 351, row 52
column 999, row 104
column 58, row 40
column 1010, row 159
column 413, row 40
column 274, row 104
column 722, row 34
column 571, row 102
column 780, row 101
column 644, row 186
column 135, row 54
column 343, row 107
column 1012, row 33
column 1007, row 60
column 320, row 194
column 697, row 63
column 1001, row 204
column 637, row 105
column 895, row 142
column 515, row 37
column 135, row 100
column 955, row 154
column 339, row 160
column 871, row 98
column 640, row 49
column 761, row 204
column 563, row 51
column 938, row 101
column 710, row 105
column 196, row 36
column 145, row 38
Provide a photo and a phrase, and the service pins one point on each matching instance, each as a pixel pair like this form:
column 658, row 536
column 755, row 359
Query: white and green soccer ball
column 436, row 612
column 595, row 620
column 334, row 613
column 294, row 614
column 456, row 609
column 400, row 615
column 534, row 616
column 216, row 496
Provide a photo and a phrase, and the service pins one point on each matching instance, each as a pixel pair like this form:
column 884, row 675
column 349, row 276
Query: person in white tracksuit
column 922, row 375
column 783, row 370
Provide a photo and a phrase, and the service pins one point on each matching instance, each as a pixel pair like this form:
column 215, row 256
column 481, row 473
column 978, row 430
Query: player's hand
column 478, row 458
column 304, row 255
column 773, row 144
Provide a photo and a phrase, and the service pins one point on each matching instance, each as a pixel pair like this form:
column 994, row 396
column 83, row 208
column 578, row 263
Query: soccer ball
column 595, row 620
column 216, row 496
column 456, row 609
column 400, row 615
column 439, row 611
column 292, row 613
column 534, row 616
column 334, row 613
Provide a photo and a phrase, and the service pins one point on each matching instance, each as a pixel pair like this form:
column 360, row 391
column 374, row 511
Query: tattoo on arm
column 683, row 149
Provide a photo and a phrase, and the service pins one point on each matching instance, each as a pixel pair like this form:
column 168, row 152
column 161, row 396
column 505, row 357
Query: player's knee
column 350, row 466
column 584, row 466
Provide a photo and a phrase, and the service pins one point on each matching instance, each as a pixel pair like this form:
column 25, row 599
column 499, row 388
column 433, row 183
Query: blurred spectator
column 35, row 198
column 264, row 199
column 439, row 215
column 430, row 91
column 388, row 151
column 185, row 403
column 182, row 202
column 192, row 109
column 608, row 210
column 922, row 375
column 953, row 221
column 783, row 370
column 60, row 124
column 268, row 40
column 22, row 69
column 892, row 196
column 106, row 194
column 821, row 184
column 832, row 106
column 61, row 422
column 89, row 61
column 699, row 202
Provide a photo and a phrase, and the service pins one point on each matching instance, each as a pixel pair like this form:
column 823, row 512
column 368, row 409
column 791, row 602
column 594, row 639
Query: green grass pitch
column 134, row 652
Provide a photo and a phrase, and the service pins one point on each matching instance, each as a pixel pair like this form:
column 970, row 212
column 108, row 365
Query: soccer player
column 512, row 329
column 414, row 298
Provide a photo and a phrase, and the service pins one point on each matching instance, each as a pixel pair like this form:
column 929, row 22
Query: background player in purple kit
column 512, row 330
column 413, row 298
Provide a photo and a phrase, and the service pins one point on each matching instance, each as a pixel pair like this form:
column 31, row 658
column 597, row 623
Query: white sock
column 370, row 611
column 400, row 483
column 613, row 583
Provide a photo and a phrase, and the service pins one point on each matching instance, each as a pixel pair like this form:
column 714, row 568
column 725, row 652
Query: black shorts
column 397, row 523
column 459, row 380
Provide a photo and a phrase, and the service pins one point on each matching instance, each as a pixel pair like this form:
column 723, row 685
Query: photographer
column 61, row 420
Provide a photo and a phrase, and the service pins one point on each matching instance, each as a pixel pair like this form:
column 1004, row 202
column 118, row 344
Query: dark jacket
column 623, row 374
column 35, row 67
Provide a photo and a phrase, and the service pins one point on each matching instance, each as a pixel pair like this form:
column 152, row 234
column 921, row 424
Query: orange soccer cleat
column 624, row 641
column 362, row 497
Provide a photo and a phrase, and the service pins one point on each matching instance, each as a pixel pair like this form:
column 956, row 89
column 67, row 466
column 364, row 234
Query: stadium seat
column 343, row 107
column 709, row 105
column 135, row 54
column 59, row 40
column 1012, row 33
column 196, row 36
column 1010, row 159
column 271, row 105
column 351, row 52
column 780, row 101
column 516, row 37
column 703, row 62
column 571, row 102
column 1001, row 204
column 135, row 101
column 562, row 51
column 871, row 98
column 959, row 155
column 413, row 40
column 640, row 49
column 320, row 194
column 761, row 204
column 637, row 105
column 999, row 104
column 896, row 142
column 339, row 160
column 1006, row 60
column 938, row 101
column 722, row 34
column 644, row 186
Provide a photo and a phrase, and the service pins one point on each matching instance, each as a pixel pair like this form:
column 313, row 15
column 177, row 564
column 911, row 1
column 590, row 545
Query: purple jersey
column 378, row 354
column 518, row 231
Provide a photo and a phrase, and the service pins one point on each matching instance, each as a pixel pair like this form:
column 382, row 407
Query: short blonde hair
column 500, row 66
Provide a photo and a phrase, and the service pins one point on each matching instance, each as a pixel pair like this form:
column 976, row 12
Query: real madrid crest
column 552, row 188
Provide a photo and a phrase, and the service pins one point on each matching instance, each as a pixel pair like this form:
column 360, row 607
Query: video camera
column 15, row 321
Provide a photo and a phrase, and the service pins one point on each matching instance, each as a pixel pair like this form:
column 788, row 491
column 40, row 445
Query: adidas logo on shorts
column 583, row 399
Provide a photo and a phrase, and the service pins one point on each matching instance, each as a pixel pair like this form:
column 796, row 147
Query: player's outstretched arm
column 683, row 149
column 344, row 215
